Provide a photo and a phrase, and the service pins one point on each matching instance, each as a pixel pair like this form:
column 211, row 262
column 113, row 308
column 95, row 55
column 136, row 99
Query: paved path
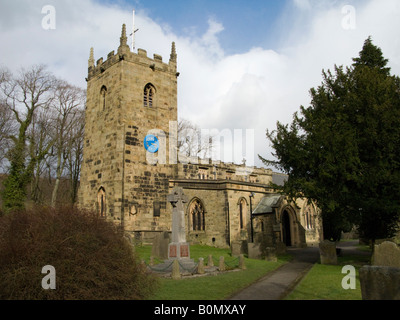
column 279, row 283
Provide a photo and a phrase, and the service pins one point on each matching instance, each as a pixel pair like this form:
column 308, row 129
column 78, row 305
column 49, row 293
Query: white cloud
column 302, row 4
column 252, row 90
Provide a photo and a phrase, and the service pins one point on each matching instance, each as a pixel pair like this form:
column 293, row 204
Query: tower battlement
column 125, row 54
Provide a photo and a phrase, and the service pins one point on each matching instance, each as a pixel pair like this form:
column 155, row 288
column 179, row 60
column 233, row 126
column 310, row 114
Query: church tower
column 131, row 106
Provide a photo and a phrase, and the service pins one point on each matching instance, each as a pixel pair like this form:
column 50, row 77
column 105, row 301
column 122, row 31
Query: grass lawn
column 218, row 287
column 324, row 282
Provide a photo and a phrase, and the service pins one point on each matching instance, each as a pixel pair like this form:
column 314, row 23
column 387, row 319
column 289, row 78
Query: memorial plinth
column 178, row 248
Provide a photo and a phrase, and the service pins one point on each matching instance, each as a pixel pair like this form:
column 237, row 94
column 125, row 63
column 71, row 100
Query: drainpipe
column 251, row 217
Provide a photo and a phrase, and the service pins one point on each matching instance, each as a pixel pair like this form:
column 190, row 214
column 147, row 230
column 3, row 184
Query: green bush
column 91, row 257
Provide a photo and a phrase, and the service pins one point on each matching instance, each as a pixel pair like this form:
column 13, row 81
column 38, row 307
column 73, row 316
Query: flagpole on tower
column 133, row 31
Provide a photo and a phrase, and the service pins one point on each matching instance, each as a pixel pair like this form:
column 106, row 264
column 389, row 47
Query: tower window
column 103, row 95
column 101, row 202
column 148, row 96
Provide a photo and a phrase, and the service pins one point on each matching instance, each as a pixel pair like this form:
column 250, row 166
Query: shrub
column 92, row 259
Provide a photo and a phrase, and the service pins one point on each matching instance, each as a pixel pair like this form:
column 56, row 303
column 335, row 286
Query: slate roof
column 267, row 204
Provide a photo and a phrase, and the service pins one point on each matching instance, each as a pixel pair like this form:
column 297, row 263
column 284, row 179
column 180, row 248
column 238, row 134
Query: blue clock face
column 151, row 143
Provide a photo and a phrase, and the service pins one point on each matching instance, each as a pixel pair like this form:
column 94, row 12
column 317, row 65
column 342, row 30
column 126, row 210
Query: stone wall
column 135, row 182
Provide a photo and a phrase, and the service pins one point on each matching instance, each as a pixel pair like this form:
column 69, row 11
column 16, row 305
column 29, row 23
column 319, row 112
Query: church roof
column 267, row 204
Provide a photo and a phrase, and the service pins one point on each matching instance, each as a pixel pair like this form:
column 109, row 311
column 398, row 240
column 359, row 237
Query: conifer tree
column 343, row 150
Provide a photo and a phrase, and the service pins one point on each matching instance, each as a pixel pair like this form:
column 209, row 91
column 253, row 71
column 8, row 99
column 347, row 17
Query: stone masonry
column 129, row 96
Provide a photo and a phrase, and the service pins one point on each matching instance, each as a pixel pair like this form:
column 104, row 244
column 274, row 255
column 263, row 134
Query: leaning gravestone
column 327, row 251
column 386, row 254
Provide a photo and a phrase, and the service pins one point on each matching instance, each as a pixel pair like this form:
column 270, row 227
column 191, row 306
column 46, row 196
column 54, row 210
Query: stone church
column 131, row 97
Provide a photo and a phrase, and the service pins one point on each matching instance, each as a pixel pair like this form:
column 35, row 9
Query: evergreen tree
column 343, row 150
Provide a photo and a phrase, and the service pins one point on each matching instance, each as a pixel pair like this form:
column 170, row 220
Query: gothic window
column 101, row 202
column 196, row 213
column 148, row 95
column 308, row 220
column 242, row 213
column 103, row 95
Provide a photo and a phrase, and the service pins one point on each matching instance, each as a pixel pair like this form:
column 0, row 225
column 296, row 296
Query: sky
column 244, row 65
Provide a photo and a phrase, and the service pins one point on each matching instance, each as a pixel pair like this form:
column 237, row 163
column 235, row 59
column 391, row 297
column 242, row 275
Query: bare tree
column 42, row 135
column 7, row 128
column 75, row 155
column 7, row 125
column 25, row 95
column 68, row 106
column 192, row 142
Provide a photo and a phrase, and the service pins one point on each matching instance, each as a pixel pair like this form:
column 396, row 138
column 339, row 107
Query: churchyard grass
column 324, row 282
column 217, row 287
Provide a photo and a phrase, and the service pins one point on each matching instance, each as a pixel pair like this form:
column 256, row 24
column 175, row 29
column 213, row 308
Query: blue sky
column 247, row 23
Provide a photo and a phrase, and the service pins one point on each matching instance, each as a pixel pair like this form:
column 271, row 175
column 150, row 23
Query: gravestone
column 254, row 251
column 386, row 254
column 160, row 246
column 380, row 283
column 327, row 251
column 178, row 248
column 236, row 248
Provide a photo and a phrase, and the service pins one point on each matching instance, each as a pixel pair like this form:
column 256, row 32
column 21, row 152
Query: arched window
column 148, row 95
column 101, row 202
column 196, row 213
column 242, row 213
column 103, row 95
column 308, row 220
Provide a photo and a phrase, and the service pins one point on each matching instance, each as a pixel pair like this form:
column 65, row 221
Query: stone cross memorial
column 178, row 248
